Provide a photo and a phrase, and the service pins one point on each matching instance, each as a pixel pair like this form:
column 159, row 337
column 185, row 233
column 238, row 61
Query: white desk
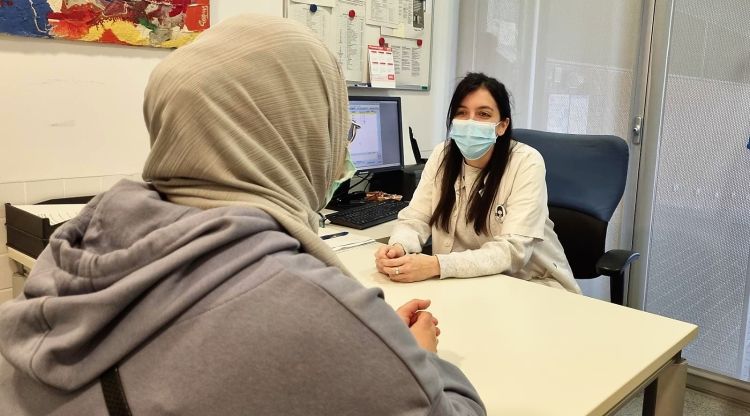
column 533, row 350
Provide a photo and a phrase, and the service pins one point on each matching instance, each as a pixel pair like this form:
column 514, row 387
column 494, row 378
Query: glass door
column 692, row 221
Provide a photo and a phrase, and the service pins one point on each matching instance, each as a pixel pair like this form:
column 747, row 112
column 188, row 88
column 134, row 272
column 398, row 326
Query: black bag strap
column 114, row 395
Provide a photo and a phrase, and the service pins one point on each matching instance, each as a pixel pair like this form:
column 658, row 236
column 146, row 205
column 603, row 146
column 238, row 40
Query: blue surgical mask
column 474, row 138
column 349, row 171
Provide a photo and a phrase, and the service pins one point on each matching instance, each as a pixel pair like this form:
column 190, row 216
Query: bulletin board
column 347, row 27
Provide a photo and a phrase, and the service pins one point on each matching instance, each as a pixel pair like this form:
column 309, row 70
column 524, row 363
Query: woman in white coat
column 482, row 198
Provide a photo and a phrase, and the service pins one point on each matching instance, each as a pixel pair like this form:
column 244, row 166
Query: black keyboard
column 368, row 215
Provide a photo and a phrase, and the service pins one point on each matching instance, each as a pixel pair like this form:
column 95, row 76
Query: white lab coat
column 522, row 242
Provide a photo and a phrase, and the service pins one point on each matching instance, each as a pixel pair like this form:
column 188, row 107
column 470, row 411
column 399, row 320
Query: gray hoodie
column 207, row 312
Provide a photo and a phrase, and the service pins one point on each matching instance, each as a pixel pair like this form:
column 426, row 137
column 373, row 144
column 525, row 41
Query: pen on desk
column 327, row 236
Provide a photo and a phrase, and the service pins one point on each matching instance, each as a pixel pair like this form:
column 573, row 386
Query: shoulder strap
column 114, row 395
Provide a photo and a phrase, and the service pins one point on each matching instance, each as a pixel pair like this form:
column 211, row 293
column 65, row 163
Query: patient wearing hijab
column 206, row 290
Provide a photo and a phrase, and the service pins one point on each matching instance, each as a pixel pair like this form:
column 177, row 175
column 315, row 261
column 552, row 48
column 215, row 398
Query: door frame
column 655, row 70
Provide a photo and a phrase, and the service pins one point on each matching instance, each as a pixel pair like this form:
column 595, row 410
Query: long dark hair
column 485, row 189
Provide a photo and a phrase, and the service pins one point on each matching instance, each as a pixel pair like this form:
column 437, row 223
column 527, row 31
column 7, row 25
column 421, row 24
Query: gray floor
column 696, row 404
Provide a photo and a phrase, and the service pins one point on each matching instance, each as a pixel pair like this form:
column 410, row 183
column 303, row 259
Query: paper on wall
column 402, row 31
column 382, row 13
column 320, row 22
column 406, row 12
column 350, row 48
column 382, row 70
column 411, row 21
column 407, row 59
column 418, row 12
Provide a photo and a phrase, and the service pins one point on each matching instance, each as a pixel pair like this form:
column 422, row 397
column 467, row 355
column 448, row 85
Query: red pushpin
column 419, row 42
column 352, row 13
column 381, row 41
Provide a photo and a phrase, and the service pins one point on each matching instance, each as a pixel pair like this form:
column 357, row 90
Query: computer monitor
column 378, row 146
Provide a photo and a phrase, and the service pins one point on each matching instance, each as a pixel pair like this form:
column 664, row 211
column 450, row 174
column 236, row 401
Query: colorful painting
column 158, row 23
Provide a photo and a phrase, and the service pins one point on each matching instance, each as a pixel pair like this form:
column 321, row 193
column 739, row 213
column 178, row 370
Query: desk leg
column 665, row 396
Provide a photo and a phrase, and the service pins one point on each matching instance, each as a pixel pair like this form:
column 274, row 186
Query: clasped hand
column 422, row 324
column 393, row 262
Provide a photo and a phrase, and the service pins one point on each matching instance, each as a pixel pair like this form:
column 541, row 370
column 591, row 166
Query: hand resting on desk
column 422, row 324
column 393, row 262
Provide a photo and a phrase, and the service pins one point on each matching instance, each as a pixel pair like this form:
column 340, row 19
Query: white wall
column 73, row 109
column 71, row 113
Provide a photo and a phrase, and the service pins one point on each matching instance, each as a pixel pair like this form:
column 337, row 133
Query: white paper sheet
column 344, row 242
column 407, row 57
column 382, row 70
column 409, row 16
column 382, row 13
column 56, row 213
column 321, row 22
column 350, row 45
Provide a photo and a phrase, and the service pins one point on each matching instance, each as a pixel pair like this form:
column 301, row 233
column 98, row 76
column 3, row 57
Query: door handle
column 637, row 129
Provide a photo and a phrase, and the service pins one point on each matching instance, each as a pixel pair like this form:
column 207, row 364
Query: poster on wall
column 156, row 23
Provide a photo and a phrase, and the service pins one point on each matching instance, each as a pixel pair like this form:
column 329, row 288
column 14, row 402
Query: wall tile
column 82, row 186
column 6, row 272
column 15, row 193
column 39, row 191
column 6, row 295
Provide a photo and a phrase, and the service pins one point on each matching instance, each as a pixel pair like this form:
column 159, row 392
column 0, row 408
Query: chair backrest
column 585, row 181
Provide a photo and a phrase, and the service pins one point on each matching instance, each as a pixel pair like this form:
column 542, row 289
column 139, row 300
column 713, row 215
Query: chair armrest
column 614, row 262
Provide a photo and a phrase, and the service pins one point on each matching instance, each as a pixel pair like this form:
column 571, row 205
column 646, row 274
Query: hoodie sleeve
column 448, row 390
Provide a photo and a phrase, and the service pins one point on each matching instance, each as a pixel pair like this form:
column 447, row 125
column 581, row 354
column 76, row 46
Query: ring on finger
column 397, row 271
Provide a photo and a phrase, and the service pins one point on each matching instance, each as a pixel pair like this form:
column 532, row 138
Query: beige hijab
column 254, row 113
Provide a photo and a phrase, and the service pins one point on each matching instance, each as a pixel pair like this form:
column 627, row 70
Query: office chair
column 585, row 181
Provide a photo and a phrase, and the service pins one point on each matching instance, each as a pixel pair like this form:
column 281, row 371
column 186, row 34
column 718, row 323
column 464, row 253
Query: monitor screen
column 378, row 146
